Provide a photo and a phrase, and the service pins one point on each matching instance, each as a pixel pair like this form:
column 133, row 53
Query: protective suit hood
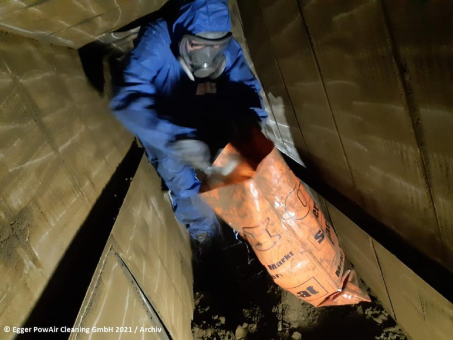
column 199, row 56
column 196, row 16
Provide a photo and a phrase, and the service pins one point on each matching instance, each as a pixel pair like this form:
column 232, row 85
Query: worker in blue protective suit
column 187, row 91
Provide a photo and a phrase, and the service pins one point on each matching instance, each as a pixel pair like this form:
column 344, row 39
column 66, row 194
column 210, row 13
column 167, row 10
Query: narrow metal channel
column 62, row 298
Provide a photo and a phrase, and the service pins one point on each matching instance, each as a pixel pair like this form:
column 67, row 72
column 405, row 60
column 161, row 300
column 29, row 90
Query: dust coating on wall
column 72, row 23
column 419, row 309
column 272, row 129
column 59, row 145
column 268, row 71
column 371, row 100
column 155, row 250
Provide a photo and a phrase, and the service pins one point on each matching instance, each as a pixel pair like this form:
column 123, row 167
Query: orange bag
column 267, row 205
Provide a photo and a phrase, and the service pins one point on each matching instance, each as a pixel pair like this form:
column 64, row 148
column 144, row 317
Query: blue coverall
column 160, row 104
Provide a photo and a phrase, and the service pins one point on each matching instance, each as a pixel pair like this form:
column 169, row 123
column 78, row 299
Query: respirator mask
column 202, row 56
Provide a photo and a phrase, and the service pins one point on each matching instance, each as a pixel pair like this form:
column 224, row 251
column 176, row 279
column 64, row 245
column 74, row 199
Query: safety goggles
column 203, row 56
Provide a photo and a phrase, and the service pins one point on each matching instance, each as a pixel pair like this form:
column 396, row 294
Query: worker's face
column 202, row 55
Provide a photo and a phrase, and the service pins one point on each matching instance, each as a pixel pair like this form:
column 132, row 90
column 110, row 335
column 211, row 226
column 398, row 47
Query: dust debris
column 235, row 299
column 296, row 336
column 241, row 333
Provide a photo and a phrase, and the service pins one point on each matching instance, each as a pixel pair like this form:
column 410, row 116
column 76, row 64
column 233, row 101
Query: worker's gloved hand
column 193, row 152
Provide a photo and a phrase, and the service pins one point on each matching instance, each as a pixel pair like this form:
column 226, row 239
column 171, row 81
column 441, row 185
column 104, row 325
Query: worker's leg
column 189, row 208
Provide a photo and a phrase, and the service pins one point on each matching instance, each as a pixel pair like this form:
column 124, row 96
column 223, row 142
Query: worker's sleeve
column 135, row 103
column 243, row 84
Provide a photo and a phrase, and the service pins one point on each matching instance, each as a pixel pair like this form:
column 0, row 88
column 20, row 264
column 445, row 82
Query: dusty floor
column 238, row 300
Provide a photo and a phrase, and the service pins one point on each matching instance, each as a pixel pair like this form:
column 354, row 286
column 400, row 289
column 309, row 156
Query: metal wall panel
column 52, row 170
column 71, row 23
column 351, row 42
column 156, row 248
column 306, row 92
column 116, row 305
column 271, row 130
column 421, row 311
column 359, row 249
column 269, row 74
column 423, row 41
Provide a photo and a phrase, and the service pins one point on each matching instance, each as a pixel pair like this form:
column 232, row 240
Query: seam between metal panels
column 375, row 257
column 95, row 281
column 315, row 57
column 284, row 83
column 382, row 275
column 236, row 5
column 152, row 312
column 83, row 253
column 155, row 209
column 429, row 270
column 412, row 107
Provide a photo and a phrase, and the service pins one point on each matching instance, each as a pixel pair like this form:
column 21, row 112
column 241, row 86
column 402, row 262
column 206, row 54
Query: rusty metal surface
column 352, row 46
column 306, row 92
column 269, row 73
column 423, row 40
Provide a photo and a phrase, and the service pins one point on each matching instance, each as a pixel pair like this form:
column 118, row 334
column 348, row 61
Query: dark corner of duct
column 432, row 272
column 61, row 300
column 92, row 59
